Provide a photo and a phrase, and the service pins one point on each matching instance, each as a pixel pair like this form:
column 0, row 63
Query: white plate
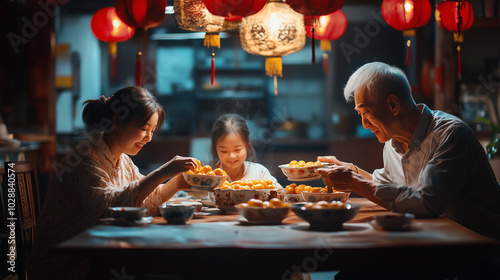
column 304, row 179
column 114, row 222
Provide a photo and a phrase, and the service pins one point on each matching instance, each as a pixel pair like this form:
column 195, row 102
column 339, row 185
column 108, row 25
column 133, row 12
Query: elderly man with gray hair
column 434, row 166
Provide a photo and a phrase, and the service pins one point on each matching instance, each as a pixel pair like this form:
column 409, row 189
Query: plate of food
column 301, row 171
column 204, row 178
column 316, row 194
column 259, row 212
column 227, row 196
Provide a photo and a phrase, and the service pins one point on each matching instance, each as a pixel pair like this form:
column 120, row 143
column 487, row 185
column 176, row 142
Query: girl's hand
column 180, row 164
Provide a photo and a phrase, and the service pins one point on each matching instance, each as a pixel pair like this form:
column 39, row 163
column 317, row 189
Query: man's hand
column 341, row 178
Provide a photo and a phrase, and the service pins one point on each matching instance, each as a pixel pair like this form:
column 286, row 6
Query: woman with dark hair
column 231, row 147
column 99, row 174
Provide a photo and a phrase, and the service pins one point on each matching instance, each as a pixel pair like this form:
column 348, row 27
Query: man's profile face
column 374, row 114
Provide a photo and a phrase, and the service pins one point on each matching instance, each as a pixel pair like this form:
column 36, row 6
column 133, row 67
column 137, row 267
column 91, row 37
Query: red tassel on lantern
column 405, row 15
column 312, row 10
column 212, row 70
column 328, row 27
column 326, row 66
column 456, row 16
column 138, row 70
column 107, row 26
column 313, row 48
column 408, row 53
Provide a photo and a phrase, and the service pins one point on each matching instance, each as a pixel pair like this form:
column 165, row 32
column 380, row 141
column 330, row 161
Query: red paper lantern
column 315, row 7
column 330, row 27
column 406, row 15
column 455, row 16
column 141, row 13
column 234, row 9
column 108, row 27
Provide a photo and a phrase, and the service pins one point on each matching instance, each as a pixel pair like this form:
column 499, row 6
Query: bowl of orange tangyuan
column 256, row 210
column 228, row 195
column 204, row 178
column 301, row 170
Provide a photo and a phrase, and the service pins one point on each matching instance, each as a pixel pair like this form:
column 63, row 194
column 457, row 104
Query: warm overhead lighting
column 275, row 31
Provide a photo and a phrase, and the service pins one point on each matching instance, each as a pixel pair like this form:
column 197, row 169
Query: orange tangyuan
column 252, row 184
column 302, row 163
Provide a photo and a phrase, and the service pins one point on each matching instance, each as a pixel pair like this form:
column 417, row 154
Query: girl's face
column 232, row 151
column 132, row 138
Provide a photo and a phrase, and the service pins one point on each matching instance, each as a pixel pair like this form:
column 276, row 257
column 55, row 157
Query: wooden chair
column 27, row 208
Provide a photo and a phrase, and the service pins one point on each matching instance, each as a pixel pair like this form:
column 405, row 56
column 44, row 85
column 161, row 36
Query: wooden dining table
column 218, row 245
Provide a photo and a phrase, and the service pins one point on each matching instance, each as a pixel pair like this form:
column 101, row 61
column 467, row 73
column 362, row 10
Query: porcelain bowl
column 204, row 182
column 127, row 213
column 261, row 214
column 227, row 199
column 326, row 218
column 301, row 173
column 329, row 197
column 293, row 198
column 176, row 214
column 197, row 205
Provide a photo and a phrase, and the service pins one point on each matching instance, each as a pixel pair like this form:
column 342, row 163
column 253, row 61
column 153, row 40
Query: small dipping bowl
column 197, row 205
column 394, row 221
column 176, row 214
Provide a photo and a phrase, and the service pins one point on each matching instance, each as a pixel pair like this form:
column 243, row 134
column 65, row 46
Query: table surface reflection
column 237, row 245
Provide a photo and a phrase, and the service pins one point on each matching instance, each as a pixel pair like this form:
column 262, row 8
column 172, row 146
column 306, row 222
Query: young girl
column 231, row 147
column 100, row 174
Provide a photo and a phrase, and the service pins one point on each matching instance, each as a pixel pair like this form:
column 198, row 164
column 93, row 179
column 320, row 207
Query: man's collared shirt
column 445, row 172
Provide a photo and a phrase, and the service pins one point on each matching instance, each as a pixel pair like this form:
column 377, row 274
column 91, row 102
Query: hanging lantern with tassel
column 141, row 15
column 330, row 27
column 406, row 15
column 312, row 10
column 275, row 31
column 192, row 15
column 456, row 16
column 108, row 27
column 234, row 10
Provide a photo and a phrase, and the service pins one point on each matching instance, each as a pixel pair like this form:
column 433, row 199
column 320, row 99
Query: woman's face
column 132, row 138
column 232, row 151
